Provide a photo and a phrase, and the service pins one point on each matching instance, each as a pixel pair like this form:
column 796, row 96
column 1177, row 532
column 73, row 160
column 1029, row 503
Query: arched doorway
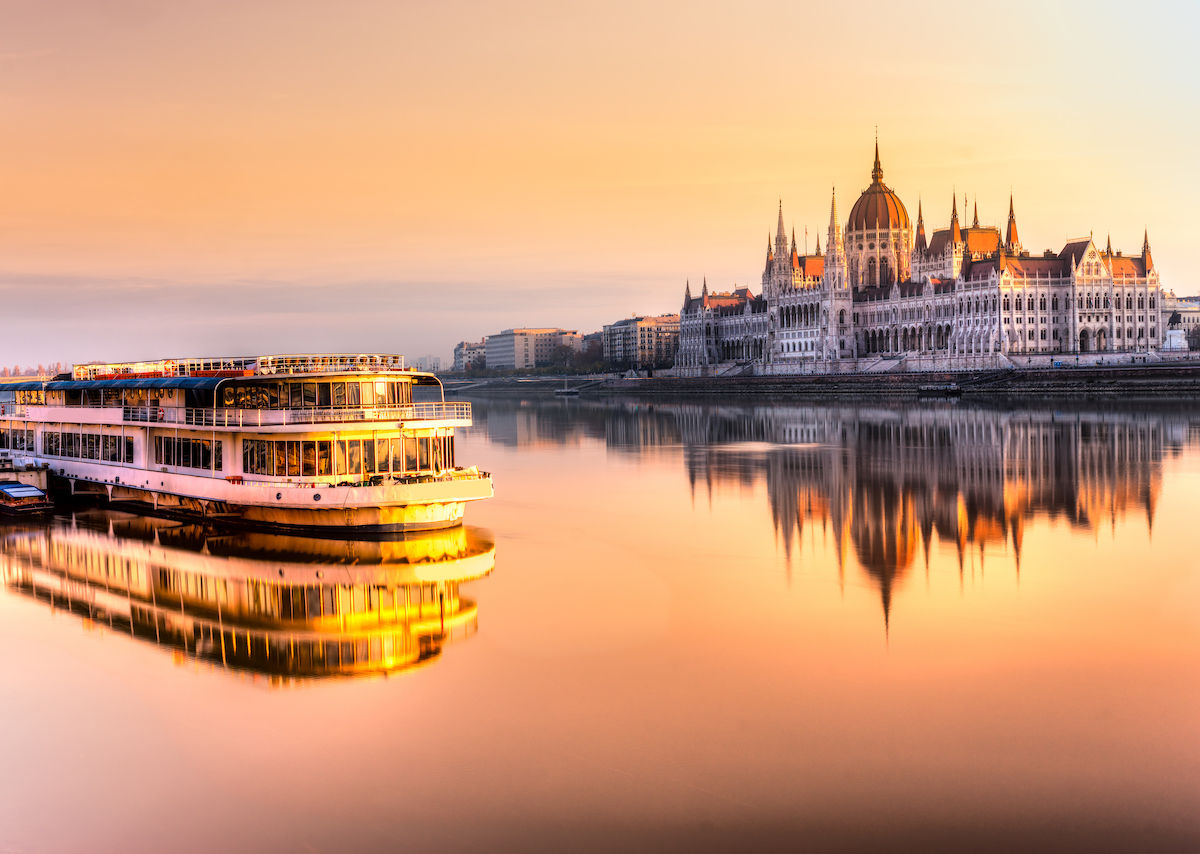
column 1084, row 341
column 1101, row 340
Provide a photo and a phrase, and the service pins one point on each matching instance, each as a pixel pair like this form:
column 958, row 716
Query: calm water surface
column 676, row 626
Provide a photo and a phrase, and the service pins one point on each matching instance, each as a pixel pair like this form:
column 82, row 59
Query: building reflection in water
column 885, row 480
column 283, row 606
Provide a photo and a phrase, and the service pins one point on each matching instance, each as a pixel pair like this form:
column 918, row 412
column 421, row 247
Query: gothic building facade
column 887, row 296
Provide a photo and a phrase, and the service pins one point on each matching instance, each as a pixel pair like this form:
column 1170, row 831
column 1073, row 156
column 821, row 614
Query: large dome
column 878, row 208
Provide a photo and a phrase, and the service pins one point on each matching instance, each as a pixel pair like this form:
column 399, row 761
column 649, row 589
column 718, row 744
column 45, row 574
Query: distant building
column 469, row 354
column 433, row 364
column 642, row 342
column 518, row 349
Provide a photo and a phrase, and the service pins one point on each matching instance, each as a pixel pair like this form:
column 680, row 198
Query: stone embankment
column 1175, row 382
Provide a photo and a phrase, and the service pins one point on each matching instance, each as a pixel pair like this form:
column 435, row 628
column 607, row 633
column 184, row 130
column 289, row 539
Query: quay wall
column 1125, row 384
column 1176, row 382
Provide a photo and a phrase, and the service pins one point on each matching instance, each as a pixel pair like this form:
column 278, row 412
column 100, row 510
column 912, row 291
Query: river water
column 676, row 626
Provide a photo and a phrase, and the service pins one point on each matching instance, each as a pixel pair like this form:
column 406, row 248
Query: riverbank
column 1126, row 384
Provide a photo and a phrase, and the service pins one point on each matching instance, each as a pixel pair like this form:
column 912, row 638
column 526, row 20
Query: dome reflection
column 287, row 607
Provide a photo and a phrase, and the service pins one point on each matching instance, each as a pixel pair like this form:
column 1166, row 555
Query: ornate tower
column 835, row 250
column 878, row 235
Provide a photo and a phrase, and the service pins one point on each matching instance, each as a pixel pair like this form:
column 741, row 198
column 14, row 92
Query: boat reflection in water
column 284, row 606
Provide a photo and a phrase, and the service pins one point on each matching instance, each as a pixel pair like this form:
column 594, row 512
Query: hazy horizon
column 191, row 180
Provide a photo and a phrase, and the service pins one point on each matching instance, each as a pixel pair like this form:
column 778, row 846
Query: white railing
column 320, row 481
column 192, row 417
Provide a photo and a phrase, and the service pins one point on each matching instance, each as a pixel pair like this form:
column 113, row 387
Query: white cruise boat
column 297, row 442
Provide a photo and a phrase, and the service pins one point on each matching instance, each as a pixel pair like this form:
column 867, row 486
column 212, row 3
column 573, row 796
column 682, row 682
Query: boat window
column 273, row 395
column 339, row 457
column 354, row 457
column 308, row 456
column 296, row 397
column 368, row 452
column 323, row 397
column 314, row 601
column 353, row 398
column 368, row 394
column 423, row 462
column 339, row 394
column 293, row 459
column 310, row 395
column 324, row 459
column 327, row 601
column 410, row 454
column 382, row 455
column 381, row 391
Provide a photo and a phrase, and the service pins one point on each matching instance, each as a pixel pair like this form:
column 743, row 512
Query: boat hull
column 392, row 507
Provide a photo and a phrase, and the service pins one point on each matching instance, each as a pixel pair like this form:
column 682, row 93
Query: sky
column 201, row 178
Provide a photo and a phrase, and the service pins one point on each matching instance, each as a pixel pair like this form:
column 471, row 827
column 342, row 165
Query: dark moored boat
column 21, row 499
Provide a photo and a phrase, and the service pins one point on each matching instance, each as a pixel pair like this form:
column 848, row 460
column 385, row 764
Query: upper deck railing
column 459, row 411
column 435, row 411
column 292, row 363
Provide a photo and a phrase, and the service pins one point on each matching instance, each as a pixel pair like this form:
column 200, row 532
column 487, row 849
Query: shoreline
column 1149, row 383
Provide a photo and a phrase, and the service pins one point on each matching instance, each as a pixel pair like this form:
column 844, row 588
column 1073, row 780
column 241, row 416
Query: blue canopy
column 134, row 382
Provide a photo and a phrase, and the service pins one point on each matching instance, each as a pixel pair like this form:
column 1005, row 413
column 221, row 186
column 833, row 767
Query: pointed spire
column 955, row 231
column 770, row 252
column 975, row 217
column 687, row 292
column 877, row 170
column 920, row 244
column 704, row 290
column 1149, row 261
column 1012, row 242
column 818, row 245
column 793, row 240
column 833, row 220
column 780, row 235
column 1108, row 246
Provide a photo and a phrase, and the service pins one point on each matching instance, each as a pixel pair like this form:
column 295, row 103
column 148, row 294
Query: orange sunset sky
column 187, row 178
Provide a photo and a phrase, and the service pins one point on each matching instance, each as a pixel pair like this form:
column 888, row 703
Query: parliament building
column 885, row 295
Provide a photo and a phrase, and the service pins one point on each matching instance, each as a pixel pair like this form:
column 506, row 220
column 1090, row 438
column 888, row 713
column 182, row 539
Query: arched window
column 885, row 272
column 1042, row 303
column 1054, row 302
column 871, row 280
